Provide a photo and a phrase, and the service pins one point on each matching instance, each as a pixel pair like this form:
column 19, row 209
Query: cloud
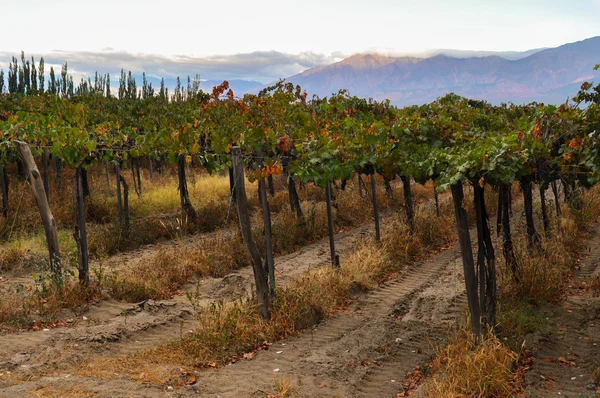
column 262, row 66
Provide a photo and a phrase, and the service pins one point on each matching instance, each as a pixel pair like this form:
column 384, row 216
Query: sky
column 297, row 34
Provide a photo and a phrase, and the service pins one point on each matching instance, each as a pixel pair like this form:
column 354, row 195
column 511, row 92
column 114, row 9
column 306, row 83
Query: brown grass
column 466, row 369
column 225, row 331
column 544, row 272
column 25, row 305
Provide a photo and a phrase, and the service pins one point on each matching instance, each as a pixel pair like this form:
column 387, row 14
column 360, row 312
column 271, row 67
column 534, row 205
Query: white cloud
column 262, row 66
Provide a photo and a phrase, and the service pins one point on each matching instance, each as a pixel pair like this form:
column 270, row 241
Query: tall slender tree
column 52, row 84
column 122, row 85
column 34, row 80
column 41, row 76
column 108, row 85
column 162, row 94
column 64, row 80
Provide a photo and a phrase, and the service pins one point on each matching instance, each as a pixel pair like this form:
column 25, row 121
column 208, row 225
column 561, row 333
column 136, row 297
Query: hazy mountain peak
column 546, row 75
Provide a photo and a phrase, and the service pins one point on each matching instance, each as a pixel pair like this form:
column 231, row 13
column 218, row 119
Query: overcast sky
column 312, row 31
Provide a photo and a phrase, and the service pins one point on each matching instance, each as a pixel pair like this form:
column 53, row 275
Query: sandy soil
column 566, row 356
column 361, row 352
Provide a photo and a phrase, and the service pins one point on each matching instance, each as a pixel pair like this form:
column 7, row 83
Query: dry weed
column 466, row 369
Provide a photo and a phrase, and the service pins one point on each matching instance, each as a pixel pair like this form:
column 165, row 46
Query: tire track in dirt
column 363, row 352
column 565, row 358
column 115, row 328
column 129, row 327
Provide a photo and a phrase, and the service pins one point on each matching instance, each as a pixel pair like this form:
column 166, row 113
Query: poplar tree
column 52, row 86
column 122, row 85
column 1, row 81
column 162, row 94
column 26, row 74
column 131, row 86
column 21, row 84
column 34, row 80
column 13, row 71
column 64, row 79
column 41, row 76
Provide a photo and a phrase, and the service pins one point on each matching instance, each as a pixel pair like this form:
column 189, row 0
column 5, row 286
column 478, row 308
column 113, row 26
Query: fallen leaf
column 190, row 379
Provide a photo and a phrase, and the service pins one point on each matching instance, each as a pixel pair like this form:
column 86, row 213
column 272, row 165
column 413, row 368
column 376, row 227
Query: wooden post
column 507, row 242
column 186, row 205
column 260, row 277
column 556, row 201
column 545, row 220
column 408, row 202
column 119, row 200
column 37, row 185
column 4, row 189
column 271, row 185
column 466, row 251
column 139, row 175
column 486, row 259
column 231, row 185
column 293, row 196
column 125, row 203
column 533, row 239
column 335, row 262
column 499, row 212
column 133, row 177
column 270, row 263
column 388, row 187
column 79, row 232
column 375, row 208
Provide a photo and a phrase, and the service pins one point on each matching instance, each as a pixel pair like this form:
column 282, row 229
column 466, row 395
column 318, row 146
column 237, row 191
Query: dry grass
column 284, row 388
column 171, row 267
column 209, row 194
column 225, row 331
column 69, row 390
column 218, row 256
column 466, row 369
column 26, row 305
column 430, row 232
column 543, row 273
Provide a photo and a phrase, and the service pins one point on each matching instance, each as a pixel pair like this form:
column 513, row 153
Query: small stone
column 276, row 370
column 169, row 388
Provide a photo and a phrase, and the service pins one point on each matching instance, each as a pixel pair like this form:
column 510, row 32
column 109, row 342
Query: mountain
column 549, row 75
column 512, row 55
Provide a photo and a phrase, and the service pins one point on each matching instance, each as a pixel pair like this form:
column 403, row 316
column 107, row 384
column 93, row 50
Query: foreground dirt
column 566, row 356
column 364, row 351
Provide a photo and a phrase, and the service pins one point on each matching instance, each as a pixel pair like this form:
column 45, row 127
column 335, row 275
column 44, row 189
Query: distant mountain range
column 546, row 75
